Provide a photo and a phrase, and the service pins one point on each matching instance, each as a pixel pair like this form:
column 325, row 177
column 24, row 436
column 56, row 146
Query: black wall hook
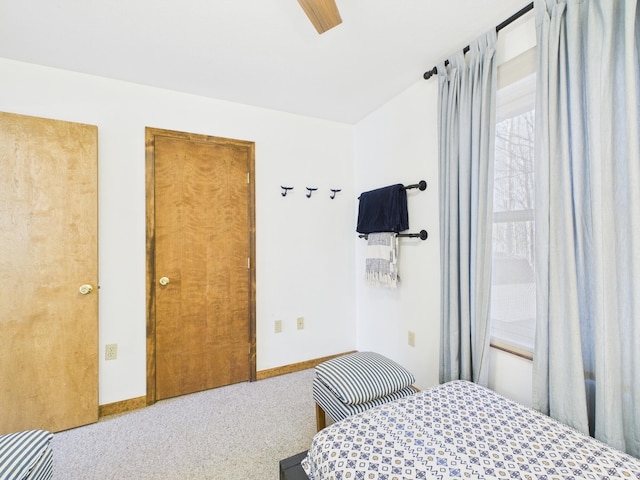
column 311, row 190
column 285, row 190
column 333, row 192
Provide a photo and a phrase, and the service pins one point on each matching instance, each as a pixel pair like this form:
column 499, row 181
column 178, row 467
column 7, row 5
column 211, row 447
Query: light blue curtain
column 587, row 354
column 466, row 129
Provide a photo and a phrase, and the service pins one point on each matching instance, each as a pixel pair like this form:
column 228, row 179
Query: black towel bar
column 422, row 185
column 422, row 235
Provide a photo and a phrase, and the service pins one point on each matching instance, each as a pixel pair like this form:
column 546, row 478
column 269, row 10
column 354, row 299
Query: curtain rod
column 429, row 73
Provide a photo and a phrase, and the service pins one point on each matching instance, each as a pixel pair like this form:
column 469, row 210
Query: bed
column 459, row 430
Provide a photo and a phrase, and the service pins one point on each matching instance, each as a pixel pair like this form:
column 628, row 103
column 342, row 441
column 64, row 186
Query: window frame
column 510, row 72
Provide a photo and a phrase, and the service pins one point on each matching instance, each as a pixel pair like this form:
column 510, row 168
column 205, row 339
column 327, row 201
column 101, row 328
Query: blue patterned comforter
column 460, row 430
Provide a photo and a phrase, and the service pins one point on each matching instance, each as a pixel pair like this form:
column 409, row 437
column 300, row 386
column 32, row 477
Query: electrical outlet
column 111, row 351
column 300, row 323
column 277, row 326
column 412, row 339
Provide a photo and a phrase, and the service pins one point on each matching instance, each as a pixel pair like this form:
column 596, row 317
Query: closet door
column 48, row 274
column 200, row 279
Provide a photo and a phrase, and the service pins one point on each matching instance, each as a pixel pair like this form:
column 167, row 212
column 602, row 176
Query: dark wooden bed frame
column 290, row 468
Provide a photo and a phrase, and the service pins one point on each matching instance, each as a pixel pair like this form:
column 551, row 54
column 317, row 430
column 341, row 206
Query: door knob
column 85, row 289
column 164, row 281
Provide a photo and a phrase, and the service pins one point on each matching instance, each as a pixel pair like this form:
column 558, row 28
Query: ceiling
column 264, row 53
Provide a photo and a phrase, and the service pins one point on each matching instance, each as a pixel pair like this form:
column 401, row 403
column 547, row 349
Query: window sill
column 512, row 349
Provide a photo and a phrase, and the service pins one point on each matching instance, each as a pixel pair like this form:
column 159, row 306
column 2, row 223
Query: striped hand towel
column 381, row 268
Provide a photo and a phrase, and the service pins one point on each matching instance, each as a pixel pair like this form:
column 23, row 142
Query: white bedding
column 460, row 430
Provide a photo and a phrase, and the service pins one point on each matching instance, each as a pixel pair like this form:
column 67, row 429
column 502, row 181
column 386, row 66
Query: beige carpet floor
column 236, row 432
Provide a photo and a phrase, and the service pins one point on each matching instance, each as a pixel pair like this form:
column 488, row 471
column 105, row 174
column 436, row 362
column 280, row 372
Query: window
column 513, row 295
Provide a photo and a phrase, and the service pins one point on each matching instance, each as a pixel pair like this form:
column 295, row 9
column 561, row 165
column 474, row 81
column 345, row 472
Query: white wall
column 510, row 376
column 398, row 144
column 310, row 261
column 305, row 247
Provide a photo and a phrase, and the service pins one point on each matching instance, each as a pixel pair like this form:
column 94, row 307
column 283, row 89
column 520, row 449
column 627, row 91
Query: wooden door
column 48, row 250
column 201, row 280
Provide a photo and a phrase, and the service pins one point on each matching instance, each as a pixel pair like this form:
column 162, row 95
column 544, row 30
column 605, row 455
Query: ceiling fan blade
column 323, row 14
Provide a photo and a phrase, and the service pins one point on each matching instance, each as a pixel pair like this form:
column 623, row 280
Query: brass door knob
column 164, row 281
column 85, row 289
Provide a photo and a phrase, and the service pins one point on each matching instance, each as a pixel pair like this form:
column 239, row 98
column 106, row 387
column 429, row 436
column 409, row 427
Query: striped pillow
column 338, row 410
column 363, row 376
column 19, row 452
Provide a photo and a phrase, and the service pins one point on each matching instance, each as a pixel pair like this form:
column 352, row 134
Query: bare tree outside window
column 513, row 279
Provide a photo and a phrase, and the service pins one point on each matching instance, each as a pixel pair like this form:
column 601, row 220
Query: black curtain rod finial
column 430, row 73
